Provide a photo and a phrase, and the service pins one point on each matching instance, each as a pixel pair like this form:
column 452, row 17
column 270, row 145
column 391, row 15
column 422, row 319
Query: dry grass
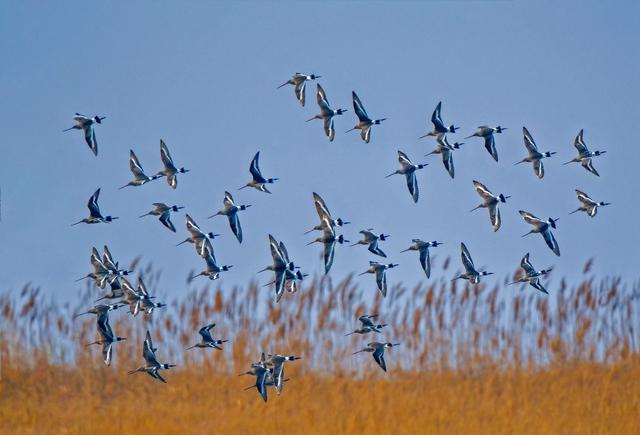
column 472, row 360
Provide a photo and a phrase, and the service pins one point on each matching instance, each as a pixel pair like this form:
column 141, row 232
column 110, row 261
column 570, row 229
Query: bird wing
column 279, row 280
column 329, row 129
column 529, row 143
column 260, row 383
column 425, row 261
column 538, row 168
column 165, row 218
column 365, row 134
column 205, row 332
column 378, row 355
column 299, row 90
column 358, row 107
column 580, row 145
column 276, row 254
column 551, row 242
column 584, row 198
column 467, row 261
column 329, row 252
column 381, row 280
column 94, row 208
column 404, row 160
column 588, row 165
column 106, row 353
column 526, row 265
column 530, row 218
column 149, row 352
column 494, row 216
column 436, row 119
column 490, row 145
column 483, row 191
column 255, row 169
column 135, row 166
column 321, row 207
column 412, row 184
column 323, row 101
column 108, row 260
column 447, row 161
column 167, row 161
column 228, row 200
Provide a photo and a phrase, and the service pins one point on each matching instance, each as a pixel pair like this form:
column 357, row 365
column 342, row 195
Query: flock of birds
column 269, row 370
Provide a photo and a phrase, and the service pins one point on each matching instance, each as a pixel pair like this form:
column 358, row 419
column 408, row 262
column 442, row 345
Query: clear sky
column 203, row 76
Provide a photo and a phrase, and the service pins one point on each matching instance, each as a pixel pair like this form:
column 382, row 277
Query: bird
column 380, row 270
column 329, row 240
column 486, row 132
column 207, row 340
column 299, row 82
column 107, row 337
column 164, row 212
column 277, row 363
column 367, row 325
column 131, row 297
column 86, row 124
column 490, row 202
column 445, row 149
column 231, row 210
column 531, row 275
column 588, row 206
column 377, row 349
column 365, row 123
column 324, row 215
column 112, row 266
column 95, row 217
column 282, row 266
column 584, row 155
column 326, row 113
column 139, row 177
column 439, row 129
column 470, row 273
column 408, row 169
column 423, row 248
column 101, row 274
column 99, row 309
column 147, row 305
column 371, row 240
column 199, row 238
column 535, row 157
column 544, row 228
column 212, row 270
column 152, row 366
column 169, row 171
column 258, row 181
column 263, row 377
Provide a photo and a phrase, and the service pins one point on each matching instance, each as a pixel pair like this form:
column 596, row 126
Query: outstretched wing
column 530, row 218
column 425, row 261
column 482, row 190
column 167, row 161
column 329, row 129
column 588, row 165
column 299, row 90
column 580, row 145
column 584, row 198
column 538, row 168
column 255, row 169
column 378, row 355
column 135, row 166
column 165, row 218
column 358, row 107
column 551, row 242
column 436, row 119
column 94, row 208
column 490, row 145
column 412, row 184
column 494, row 216
column 529, row 143
column 447, row 161
column 526, row 265
column 467, row 261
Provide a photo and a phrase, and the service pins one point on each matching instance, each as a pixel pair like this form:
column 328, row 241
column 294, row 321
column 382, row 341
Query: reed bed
column 473, row 359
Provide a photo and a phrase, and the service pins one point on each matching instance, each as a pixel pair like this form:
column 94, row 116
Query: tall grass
column 480, row 359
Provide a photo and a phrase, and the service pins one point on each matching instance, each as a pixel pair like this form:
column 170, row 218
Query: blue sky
column 203, row 77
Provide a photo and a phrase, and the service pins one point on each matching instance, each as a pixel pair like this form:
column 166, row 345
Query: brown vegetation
column 473, row 360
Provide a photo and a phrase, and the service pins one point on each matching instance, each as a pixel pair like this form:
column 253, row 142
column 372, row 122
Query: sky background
column 203, row 76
